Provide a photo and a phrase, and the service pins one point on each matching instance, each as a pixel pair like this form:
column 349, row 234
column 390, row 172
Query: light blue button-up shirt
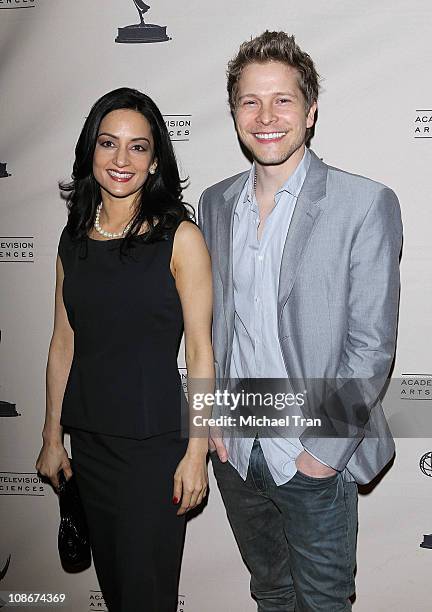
column 256, row 349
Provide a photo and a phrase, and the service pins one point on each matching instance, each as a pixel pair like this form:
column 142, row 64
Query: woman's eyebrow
column 116, row 137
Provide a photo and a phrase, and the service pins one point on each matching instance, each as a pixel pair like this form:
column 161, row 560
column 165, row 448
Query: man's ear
column 310, row 117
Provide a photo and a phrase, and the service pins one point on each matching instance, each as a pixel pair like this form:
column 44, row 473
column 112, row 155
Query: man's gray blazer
column 337, row 301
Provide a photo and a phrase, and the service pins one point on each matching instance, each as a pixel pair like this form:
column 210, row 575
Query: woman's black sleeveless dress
column 122, row 408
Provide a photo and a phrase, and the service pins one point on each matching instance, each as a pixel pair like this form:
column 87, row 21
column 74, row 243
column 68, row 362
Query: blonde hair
column 277, row 47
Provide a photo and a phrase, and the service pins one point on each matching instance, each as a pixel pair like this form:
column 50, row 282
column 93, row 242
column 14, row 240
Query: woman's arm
column 191, row 268
column 53, row 456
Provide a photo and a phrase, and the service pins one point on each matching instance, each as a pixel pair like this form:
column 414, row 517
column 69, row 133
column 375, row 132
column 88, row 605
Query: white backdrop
column 56, row 58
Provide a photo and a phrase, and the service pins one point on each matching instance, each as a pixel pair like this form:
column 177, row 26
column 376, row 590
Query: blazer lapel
column 225, row 221
column 305, row 216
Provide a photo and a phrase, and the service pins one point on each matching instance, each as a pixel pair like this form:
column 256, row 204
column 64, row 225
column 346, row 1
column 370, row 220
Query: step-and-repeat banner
column 375, row 118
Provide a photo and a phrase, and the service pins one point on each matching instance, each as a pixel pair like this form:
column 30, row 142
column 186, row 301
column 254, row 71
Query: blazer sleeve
column 372, row 326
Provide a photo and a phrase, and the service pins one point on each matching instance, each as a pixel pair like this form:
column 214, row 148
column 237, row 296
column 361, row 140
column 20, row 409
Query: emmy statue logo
column 7, row 410
column 3, row 571
column 3, row 172
column 142, row 32
column 5, row 568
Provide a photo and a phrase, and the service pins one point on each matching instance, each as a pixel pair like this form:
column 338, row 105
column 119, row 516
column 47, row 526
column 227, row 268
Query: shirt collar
column 292, row 186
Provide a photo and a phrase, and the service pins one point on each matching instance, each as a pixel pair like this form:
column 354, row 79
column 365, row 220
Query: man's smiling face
column 270, row 115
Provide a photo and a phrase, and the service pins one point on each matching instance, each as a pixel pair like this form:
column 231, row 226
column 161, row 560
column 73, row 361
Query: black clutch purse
column 73, row 536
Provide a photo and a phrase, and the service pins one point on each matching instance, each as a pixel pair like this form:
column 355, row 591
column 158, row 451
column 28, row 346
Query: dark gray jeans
column 298, row 540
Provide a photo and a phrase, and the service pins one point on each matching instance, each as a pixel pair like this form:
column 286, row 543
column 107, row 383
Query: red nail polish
column 175, row 500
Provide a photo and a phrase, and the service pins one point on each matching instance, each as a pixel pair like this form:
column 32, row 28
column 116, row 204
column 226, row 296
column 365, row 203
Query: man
column 306, row 285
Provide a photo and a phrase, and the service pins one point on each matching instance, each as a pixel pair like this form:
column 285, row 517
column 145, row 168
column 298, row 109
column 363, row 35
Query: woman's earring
column 152, row 170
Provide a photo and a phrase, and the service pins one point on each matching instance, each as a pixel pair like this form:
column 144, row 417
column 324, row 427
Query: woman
column 132, row 270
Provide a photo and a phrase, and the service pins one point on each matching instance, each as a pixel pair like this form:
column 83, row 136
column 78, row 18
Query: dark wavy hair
column 159, row 203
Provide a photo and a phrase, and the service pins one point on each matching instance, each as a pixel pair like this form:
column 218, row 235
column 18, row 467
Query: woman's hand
column 53, row 458
column 190, row 481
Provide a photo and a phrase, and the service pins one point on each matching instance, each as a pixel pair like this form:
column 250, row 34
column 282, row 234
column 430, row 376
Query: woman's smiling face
column 124, row 153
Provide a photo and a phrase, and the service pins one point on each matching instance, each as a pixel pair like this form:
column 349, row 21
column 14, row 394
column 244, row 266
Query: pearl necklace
column 103, row 232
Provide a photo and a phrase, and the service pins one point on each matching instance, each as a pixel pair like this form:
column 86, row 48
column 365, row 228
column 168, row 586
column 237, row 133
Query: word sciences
column 12, row 249
column 17, row 4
